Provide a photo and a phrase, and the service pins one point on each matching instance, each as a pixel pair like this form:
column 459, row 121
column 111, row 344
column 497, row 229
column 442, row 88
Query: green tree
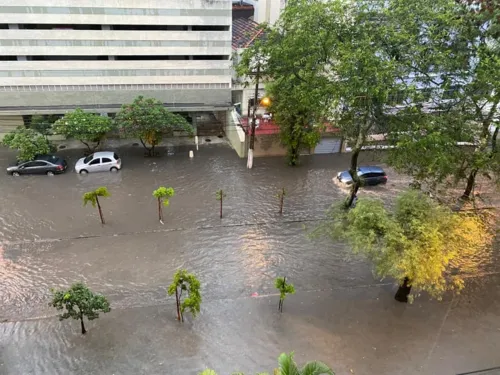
column 454, row 50
column 220, row 195
column 293, row 111
column 287, row 366
column 79, row 302
column 93, row 198
column 284, row 289
column 148, row 120
column 88, row 128
column 423, row 245
column 163, row 194
column 27, row 142
column 43, row 123
column 326, row 62
column 184, row 281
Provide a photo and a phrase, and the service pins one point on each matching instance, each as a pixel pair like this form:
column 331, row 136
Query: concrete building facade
column 266, row 10
column 57, row 55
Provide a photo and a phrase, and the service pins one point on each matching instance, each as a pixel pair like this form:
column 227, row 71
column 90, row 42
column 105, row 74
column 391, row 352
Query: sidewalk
column 114, row 143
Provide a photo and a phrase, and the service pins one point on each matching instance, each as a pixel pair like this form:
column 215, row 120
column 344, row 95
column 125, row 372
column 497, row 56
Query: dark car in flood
column 42, row 164
column 369, row 175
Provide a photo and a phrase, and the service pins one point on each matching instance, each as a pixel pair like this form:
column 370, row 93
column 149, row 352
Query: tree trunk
column 146, row 147
column 282, row 197
column 84, row 331
column 177, row 303
column 471, row 180
column 100, row 210
column 280, row 305
column 353, row 169
column 293, row 157
column 160, row 211
column 88, row 146
column 403, row 291
column 221, row 204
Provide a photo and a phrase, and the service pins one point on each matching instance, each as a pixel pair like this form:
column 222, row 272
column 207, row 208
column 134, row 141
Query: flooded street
column 340, row 313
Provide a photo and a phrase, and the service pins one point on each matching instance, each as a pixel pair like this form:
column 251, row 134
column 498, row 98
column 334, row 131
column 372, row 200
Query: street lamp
column 265, row 101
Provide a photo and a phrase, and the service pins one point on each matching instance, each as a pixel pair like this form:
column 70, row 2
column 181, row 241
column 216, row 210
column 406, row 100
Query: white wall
column 267, row 10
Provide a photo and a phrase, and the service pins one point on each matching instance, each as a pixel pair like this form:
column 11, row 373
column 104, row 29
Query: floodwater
column 340, row 314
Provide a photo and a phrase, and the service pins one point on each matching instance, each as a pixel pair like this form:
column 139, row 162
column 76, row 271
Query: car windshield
column 88, row 158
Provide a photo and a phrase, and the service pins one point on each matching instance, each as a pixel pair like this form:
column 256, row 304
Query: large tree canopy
column 326, row 63
column 27, row 142
column 451, row 49
column 420, row 243
column 426, row 71
column 148, row 120
column 88, row 128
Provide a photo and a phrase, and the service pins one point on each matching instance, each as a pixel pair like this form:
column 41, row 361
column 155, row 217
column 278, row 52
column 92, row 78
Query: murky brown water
column 47, row 239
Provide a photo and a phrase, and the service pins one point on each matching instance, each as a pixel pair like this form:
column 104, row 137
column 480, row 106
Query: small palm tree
column 163, row 194
column 289, row 367
column 93, row 198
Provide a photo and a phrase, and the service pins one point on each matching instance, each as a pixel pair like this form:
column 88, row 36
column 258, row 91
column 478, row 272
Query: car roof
column 370, row 169
column 101, row 154
column 46, row 157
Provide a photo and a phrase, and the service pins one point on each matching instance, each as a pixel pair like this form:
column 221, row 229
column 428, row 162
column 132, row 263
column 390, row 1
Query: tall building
column 266, row 10
column 57, row 55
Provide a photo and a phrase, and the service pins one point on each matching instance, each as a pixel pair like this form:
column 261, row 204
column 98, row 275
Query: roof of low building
column 245, row 31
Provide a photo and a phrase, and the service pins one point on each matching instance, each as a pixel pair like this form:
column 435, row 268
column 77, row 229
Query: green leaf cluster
column 188, row 282
column 84, row 126
column 148, row 120
column 283, row 287
column 421, row 240
column 92, row 196
column 325, row 62
column 219, row 195
column 27, row 142
column 43, row 123
column 78, row 302
column 453, row 49
column 287, row 366
column 164, row 193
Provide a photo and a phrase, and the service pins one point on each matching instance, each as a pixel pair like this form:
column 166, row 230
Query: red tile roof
column 245, row 31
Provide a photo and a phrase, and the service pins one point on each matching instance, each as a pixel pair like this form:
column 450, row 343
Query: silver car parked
column 104, row 161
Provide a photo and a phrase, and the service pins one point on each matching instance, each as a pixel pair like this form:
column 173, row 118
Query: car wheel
column 50, row 173
column 15, row 174
column 113, row 169
column 83, row 171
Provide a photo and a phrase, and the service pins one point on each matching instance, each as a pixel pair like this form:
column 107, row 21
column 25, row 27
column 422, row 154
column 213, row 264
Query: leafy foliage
column 453, row 49
column 283, row 287
column 93, row 196
column 219, row 195
column 43, row 123
column 287, row 366
column 79, row 302
column 28, row 142
column 184, row 281
column 148, row 120
column 421, row 240
column 163, row 193
column 326, row 63
column 87, row 127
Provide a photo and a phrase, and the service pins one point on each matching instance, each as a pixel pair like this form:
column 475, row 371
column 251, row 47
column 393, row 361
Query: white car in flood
column 104, row 161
